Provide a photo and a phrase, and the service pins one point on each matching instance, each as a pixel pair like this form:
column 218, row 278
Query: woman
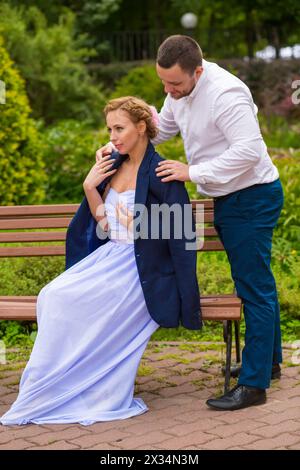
column 95, row 319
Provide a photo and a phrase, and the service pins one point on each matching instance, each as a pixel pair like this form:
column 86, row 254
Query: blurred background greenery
column 62, row 60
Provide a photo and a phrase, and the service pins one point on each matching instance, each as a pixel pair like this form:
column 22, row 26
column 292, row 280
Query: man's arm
column 167, row 125
column 234, row 115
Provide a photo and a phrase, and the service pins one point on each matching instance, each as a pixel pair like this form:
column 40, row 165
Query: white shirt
column 222, row 140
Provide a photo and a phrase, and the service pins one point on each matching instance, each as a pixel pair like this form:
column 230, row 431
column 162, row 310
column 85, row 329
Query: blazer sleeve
column 184, row 254
column 82, row 235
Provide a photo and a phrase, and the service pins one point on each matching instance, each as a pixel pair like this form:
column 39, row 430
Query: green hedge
column 69, row 153
column 21, row 166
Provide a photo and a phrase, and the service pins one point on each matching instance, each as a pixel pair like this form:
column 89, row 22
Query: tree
column 52, row 61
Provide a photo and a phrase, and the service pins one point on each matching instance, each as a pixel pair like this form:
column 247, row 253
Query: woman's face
column 124, row 134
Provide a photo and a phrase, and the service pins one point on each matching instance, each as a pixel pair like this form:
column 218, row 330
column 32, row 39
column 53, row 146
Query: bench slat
column 208, row 217
column 12, row 237
column 208, row 232
column 32, row 251
column 50, row 222
column 18, row 298
column 213, row 308
column 10, row 252
column 47, row 209
column 210, row 245
column 208, row 203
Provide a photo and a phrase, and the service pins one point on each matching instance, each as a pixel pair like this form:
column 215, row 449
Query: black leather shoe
column 241, row 396
column 236, row 370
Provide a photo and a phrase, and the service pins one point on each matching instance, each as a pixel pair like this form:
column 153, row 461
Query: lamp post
column 189, row 22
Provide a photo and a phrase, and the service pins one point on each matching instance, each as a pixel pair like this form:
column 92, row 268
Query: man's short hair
column 181, row 50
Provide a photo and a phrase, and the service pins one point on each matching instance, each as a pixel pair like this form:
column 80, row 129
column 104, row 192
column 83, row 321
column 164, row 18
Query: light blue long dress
column 93, row 327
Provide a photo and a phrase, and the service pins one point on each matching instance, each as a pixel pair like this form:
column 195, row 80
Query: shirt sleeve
column 167, row 125
column 234, row 113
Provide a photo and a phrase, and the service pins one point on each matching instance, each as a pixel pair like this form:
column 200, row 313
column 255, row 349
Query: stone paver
column 175, row 383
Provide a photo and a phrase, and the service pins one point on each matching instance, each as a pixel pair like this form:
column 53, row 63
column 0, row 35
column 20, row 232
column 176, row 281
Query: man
column 228, row 160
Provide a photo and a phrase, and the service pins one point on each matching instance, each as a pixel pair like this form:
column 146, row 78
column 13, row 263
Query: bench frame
column 19, row 224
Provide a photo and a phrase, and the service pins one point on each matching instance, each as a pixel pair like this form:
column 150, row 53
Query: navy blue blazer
column 166, row 269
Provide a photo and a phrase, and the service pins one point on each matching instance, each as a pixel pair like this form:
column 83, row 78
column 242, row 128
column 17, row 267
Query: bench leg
column 227, row 333
column 237, row 340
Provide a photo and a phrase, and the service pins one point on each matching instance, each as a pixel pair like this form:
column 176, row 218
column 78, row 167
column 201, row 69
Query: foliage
column 51, row 60
column 21, row 165
column 69, row 153
column 91, row 16
column 270, row 84
column 288, row 227
column 136, row 83
column 280, row 134
column 225, row 29
column 110, row 74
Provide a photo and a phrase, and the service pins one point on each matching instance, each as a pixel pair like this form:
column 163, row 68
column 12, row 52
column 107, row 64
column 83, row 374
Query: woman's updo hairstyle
column 137, row 109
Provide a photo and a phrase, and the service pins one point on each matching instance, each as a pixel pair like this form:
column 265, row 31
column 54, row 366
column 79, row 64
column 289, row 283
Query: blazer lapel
column 142, row 183
column 118, row 160
column 141, row 191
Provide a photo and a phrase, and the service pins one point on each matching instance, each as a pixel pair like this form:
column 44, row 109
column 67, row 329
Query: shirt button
column 137, row 255
column 144, row 282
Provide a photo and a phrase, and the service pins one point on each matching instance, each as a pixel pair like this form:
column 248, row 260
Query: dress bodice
column 119, row 232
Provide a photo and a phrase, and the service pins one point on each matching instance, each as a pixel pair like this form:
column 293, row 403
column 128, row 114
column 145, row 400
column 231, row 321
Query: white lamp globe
column 189, row 20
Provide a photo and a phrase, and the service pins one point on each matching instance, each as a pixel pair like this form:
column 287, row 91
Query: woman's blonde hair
column 137, row 109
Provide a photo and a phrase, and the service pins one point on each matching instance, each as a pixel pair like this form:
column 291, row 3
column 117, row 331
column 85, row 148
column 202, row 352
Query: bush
column 270, row 83
column 69, row 153
column 21, row 166
column 279, row 133
column 110, row 74
column 143, row 83
column 288, row 226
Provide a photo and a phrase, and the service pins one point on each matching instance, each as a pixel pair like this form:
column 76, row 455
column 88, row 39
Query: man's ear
column 198, row 71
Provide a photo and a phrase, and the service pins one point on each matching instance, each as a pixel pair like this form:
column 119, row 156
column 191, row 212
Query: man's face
column 176, row 81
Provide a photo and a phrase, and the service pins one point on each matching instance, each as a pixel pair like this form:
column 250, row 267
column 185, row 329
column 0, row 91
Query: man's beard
column 183, row 93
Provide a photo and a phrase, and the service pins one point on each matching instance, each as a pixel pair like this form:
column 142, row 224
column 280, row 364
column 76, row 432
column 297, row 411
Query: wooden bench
column 17, row 224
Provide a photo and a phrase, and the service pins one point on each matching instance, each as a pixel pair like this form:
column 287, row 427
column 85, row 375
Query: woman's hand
column 105, row 150
column 99, row 172
column 124, row 215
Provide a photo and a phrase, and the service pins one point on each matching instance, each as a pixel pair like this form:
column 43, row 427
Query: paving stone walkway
column 174, row 380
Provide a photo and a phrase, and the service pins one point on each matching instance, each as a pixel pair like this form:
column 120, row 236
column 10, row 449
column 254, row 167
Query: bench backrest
column 23, row 224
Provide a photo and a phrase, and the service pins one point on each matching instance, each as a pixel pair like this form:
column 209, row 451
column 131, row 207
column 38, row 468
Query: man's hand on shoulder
column 171, row 170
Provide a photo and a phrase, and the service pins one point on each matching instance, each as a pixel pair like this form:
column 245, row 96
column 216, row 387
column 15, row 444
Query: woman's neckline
column 121, row 192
